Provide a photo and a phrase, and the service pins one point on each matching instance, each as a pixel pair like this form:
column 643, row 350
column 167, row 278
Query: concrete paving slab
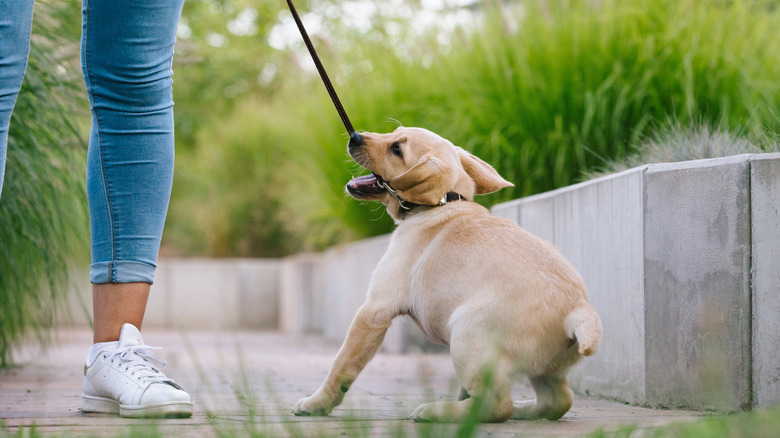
column 245, row 383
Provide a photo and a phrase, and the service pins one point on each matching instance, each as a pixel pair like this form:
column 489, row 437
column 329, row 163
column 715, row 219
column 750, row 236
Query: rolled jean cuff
column 121, row 272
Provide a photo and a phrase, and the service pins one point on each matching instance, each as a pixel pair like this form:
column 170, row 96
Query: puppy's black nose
column 355, row 140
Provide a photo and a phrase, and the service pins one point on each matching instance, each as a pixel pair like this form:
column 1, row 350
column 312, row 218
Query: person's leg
column 15, row 24
column 127, row 51
column 114, row 304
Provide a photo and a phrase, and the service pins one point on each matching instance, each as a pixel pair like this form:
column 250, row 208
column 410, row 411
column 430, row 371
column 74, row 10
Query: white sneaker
column 124, row 377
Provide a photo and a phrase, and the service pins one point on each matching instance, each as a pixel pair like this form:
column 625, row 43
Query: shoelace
column 141, row 362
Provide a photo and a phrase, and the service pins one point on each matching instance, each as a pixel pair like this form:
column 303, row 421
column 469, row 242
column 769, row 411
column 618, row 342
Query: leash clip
column 392, row 192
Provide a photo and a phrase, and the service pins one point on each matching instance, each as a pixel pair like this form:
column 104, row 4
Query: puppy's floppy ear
column 486, row 179
column 424, row 183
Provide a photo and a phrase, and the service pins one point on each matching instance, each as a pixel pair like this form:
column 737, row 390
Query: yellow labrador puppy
column 506, row 302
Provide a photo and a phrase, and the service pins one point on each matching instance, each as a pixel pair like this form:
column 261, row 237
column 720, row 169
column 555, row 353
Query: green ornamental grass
column 543, row 90
column 44, row 229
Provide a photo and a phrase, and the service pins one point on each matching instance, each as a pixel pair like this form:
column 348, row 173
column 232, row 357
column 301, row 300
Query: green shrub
column 543, row 91
column 43, row 215
column 673, row 143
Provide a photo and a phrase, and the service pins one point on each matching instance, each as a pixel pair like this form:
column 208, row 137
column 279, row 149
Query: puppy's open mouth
column 365, row 185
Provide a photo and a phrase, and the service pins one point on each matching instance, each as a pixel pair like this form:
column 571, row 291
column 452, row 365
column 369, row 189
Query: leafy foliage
column 541, row 90
column 43, row 213
column 673, row 143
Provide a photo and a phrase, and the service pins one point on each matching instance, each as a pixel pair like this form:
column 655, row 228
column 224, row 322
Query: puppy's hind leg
column 553, row 399
column 489, row 405
column 485, row 394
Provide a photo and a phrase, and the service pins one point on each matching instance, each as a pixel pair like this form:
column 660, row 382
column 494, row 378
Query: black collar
column 407, row 206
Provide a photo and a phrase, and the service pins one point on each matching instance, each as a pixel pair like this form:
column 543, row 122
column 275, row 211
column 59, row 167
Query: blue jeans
column 126, row 55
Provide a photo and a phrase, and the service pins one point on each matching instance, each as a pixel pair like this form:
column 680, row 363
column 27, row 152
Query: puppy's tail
column 584, row 326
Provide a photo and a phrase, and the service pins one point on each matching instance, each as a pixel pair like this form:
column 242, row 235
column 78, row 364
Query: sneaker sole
column 102, row 405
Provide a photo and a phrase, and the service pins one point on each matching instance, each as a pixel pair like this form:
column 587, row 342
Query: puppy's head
column 420, row 166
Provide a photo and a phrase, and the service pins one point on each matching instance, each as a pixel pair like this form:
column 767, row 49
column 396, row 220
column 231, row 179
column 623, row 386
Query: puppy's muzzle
column 356, row 149
column 365, row 186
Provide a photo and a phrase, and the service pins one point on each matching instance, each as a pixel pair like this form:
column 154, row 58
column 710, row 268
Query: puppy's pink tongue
column 362, row 181
column 365, row 185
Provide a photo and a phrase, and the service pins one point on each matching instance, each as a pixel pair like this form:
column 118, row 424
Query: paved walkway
column 245, row 383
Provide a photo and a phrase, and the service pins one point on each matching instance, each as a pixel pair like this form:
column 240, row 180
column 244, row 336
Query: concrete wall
column 191, row 293
column 697, row 284
column 680, row 260
column 765, row 214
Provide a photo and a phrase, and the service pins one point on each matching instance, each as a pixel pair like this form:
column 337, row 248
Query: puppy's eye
column 396, row 149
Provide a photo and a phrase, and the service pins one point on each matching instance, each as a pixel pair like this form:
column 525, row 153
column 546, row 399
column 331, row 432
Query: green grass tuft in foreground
column 763, row 423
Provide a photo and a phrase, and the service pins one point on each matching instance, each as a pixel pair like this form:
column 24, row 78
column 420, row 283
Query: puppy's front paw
column 312, row 406
column 423, row 414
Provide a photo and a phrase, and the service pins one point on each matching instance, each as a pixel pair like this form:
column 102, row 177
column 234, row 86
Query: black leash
column 333, row 96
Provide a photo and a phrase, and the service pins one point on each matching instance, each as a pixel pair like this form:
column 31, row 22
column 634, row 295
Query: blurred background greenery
column 543, row 90
column 548, row 91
